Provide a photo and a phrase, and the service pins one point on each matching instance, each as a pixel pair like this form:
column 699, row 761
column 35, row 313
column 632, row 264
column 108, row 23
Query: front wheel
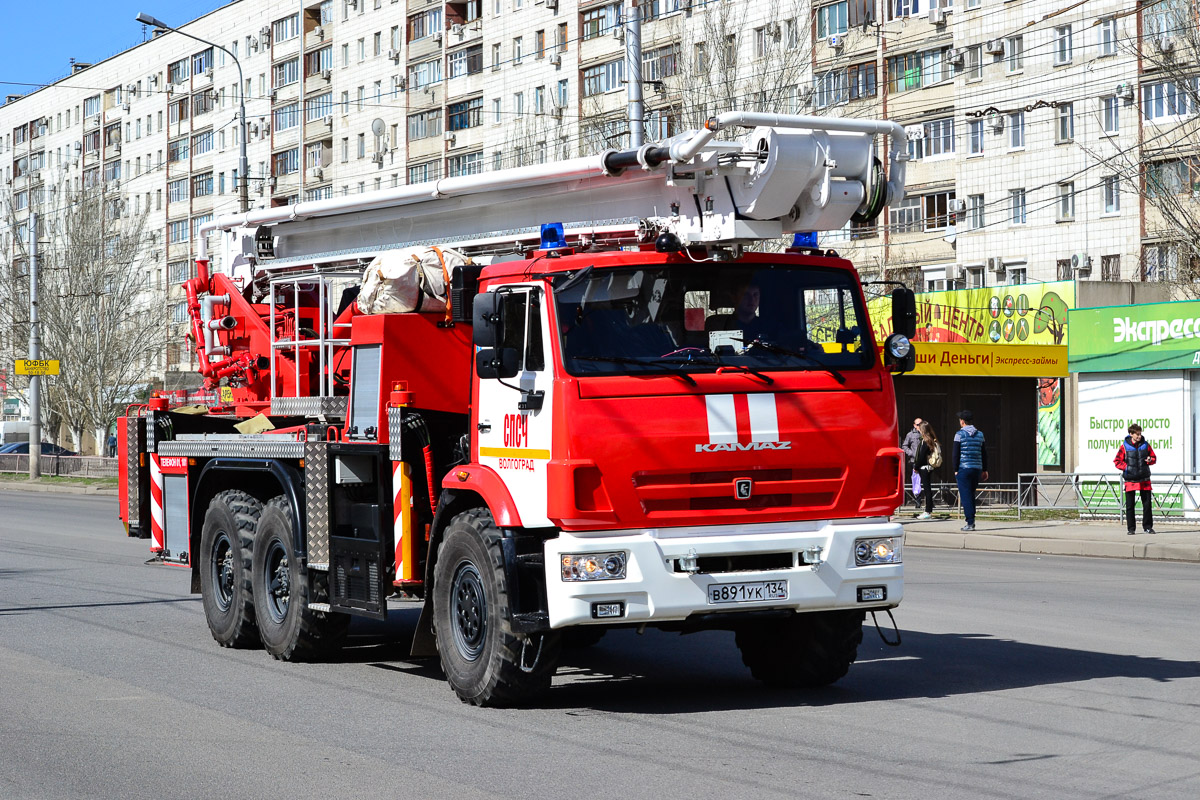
column 485, row 662
column 289, row 629
column 803, row 651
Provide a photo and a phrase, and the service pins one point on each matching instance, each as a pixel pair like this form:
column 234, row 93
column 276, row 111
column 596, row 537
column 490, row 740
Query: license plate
column 747, row 592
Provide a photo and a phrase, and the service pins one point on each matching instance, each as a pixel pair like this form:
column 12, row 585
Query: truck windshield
column 699, row 317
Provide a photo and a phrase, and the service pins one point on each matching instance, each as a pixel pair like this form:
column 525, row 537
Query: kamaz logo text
column 741, row 422
column 717, row 447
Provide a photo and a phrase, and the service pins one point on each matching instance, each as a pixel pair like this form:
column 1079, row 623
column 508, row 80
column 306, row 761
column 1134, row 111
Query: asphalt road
column 1018, row 676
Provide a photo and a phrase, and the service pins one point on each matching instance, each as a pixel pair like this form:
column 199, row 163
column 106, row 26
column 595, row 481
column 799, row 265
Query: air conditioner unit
column 958, row 206
column 253, row 128
column 1166, row 44
column 125, row 107
column 957, row 57
column 937, row 16
column 274, row 95
column 316, row 173
column 995, row 264
column 555, row 59
column 914, row 132
column 451, row 138
column 556, row 112
column 377, row 158
column 152, row 79
column 400, row 82
column 772, row 30
column 437, row 39
column 208, row 73
column 254, row 43
column 552, row 5
column 116, row 149
column 319, row 32
column 457, row 30
column 995, row 121
column 155, row 255
column 131, row 90
column 264, row 33
column 994, row 47
column 835, row 41
column 1081, row 263
column 327, row 74
column 328, row 120
column 1124, row 91
column 35, row 176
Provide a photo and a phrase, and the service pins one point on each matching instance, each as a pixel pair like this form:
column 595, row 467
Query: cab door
column 515, row 419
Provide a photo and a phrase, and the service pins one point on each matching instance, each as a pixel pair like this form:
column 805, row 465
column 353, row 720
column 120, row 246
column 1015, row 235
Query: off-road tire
column 226, row 545
column 803, row 651
column 485, row 662
column 288, row 628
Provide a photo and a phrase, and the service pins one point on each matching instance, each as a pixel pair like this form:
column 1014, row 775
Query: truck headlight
column 877, row 551
column 899, row 346
column 593, row 566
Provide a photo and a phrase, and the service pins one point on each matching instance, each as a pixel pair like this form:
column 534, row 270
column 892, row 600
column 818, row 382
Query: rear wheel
column 226, row 543
column 289, row 629
column 805, row 650
column 485, row 662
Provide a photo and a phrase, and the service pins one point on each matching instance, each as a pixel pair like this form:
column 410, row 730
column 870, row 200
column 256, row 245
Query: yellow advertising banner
column 991, row 360
column 1024, row 314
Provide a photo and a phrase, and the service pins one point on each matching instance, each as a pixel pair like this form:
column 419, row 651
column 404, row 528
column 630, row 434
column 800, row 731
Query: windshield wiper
column 641, row 362
column 716, row 361
column 787, row 351
column 574, row 280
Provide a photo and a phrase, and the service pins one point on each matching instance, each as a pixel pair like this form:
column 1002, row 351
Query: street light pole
column 243, row 162
column 35, row 353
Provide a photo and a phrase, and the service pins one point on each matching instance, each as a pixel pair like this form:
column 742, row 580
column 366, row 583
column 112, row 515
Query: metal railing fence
column 1101, row 495
column 58, row 466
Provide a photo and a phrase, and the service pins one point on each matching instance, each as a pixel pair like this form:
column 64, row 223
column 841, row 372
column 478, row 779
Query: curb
column 43, row 488
column 1058, row 547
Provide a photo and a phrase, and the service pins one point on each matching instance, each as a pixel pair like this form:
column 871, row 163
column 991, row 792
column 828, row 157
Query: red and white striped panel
column 398, row 514
column 156, row 505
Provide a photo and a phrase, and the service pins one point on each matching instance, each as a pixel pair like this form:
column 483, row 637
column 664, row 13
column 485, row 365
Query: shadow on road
column 665, row 673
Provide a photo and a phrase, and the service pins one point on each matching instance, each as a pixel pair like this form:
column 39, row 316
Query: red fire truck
column 637, row 416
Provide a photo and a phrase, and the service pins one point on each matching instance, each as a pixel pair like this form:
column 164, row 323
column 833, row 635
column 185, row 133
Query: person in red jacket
column 1134, row 459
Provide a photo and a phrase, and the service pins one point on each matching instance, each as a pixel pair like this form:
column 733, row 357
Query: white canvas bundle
column 413, row 279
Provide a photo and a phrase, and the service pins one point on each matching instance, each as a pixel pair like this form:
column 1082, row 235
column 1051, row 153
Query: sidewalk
column 15, row 483
column 1175, row 540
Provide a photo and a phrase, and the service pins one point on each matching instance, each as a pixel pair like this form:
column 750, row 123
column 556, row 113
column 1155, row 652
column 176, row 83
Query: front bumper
column 654, row 591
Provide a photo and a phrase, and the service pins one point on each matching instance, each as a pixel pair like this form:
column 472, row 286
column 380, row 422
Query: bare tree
column 98, row 315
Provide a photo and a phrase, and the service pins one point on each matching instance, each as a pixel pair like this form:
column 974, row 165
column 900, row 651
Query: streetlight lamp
column 243, row 163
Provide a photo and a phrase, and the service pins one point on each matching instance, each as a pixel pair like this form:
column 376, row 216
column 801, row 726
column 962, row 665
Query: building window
column 318, row 61
column 860, row 80
column 905, row 216
column 286, row 162
column 660, row 62
column 1066, row 201
column 1016, row 129
column 318, row 107
column 1063, row 49
column 1110, row 268
column 1064, row 269
column 177, row 150
column 905, row 8
column 974, row 62
column 285, row 29
column 177, row 190
column 1017, row 276
column 1160, row 262
column 286, row 117
column 285, row 73
column 518, row 49
column 464, row 114
column 1064, row 131
column 1112, row 194
column 465, row 164
column 202, row 143
column 603, row 78
column 832, row 19
column 1014, row 49
column 423, row 173
column 1110, row 115
column 177, row 232
column 426, row 23
column 424, row 125
column 1165, row 178
column 1016, row 205
column 202, row 185
column 830, row 90
column 425, row 73
column 975, row 135
column 467, row 61
column 599, row 21
column 1168, row 99
column 91, row 106
column 937, row 210
column 1106, row 36
column 975, row 212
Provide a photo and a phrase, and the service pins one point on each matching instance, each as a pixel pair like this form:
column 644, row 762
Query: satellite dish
column 378, row 127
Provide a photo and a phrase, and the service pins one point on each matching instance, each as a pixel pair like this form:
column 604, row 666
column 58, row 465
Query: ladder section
column 304, row 330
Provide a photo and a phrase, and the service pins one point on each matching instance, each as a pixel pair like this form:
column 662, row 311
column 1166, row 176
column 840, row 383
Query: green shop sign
column 1119, row 338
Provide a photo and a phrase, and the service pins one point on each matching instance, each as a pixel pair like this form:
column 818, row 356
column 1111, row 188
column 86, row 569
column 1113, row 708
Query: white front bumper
column 653, row 591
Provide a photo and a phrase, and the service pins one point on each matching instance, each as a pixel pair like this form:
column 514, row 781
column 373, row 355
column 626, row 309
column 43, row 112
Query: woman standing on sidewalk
column 928, row 457
column 1134, row 459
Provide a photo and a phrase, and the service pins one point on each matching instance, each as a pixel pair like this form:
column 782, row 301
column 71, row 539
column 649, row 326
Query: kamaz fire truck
column 545, row 401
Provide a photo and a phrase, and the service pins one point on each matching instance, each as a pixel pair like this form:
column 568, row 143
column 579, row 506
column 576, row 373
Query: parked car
column 48, row 449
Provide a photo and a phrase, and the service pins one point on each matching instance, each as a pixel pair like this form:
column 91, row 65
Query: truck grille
column 772, row 488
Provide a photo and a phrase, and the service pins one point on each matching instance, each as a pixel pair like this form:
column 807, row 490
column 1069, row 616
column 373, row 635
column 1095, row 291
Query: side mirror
column 487, row 319
column 491, row 362
column 904, row 312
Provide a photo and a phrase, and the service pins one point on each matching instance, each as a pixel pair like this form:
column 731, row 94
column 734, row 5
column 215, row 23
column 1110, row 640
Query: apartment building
column 1026, row 138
